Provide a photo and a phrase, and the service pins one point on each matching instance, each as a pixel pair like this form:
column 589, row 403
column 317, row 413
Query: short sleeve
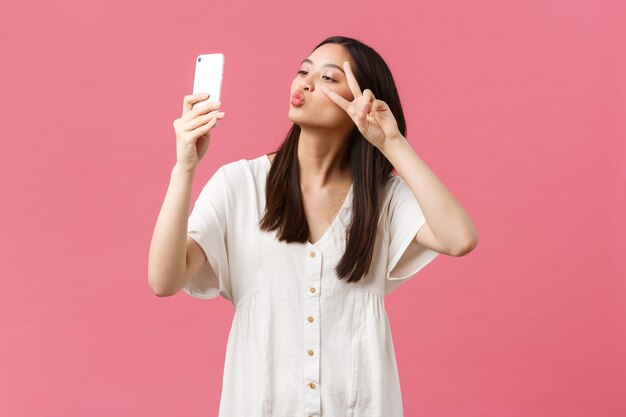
column 207, row 225
column 405, row 256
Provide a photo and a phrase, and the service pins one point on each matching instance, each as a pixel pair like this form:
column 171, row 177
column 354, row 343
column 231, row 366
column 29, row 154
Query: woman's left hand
column 372, row 116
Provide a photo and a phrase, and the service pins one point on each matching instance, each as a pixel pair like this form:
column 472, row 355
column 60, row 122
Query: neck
column 323, row 158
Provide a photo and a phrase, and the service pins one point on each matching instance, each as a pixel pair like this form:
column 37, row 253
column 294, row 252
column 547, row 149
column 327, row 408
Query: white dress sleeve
column 405, row 256
column 207, row 225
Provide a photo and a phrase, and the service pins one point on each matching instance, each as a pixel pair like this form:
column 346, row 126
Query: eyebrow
column 325, row 65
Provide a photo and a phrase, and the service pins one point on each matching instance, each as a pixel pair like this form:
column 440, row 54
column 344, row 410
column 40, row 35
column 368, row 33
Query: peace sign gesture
column 372, row 116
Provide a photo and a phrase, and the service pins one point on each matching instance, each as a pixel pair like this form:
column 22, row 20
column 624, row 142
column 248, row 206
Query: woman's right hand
column 193, row 129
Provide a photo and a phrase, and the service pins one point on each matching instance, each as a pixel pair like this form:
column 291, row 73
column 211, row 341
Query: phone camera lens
column 199, row 59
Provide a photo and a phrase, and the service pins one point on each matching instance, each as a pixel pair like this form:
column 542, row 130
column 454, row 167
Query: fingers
column 368, row 95
column 352, row 83
column 357, row 112
column 206, row 126
column 191, row 99
column 368, row 102
column 336, row 98
column 203, row 119
column 373, row 109
column 200, row 109
column 363, row 106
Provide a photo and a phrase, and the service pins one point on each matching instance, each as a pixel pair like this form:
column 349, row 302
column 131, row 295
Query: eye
column 303, row 72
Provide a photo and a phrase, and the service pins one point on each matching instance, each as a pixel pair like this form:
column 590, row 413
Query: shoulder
column 242, row 170
column 392, row 188
column 244, row 179
column 397, row 188
column 387, row 197
column 397, row 195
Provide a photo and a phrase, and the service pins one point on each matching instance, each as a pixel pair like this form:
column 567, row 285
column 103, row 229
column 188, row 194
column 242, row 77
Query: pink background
column 519, row 107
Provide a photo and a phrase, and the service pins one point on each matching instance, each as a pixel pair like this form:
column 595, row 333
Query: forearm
column 447, row 219
column 167, row 261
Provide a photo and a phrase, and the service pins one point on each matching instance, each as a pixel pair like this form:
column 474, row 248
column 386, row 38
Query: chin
column 298, row 119
column 305, row 120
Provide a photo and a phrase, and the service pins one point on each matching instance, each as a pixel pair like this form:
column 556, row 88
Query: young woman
column 307, row 241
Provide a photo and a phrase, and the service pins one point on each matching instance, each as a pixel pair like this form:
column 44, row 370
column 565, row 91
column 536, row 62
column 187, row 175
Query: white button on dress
column 302, row 342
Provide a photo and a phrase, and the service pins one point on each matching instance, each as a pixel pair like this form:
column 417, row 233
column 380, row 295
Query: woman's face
column 322, row 67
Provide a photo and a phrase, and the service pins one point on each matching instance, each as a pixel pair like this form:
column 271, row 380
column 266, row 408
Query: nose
column 306, row 86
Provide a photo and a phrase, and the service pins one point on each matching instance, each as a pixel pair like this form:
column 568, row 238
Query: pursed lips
column 297, row 98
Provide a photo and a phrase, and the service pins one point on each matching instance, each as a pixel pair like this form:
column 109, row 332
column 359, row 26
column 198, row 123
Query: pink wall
column 519, row 108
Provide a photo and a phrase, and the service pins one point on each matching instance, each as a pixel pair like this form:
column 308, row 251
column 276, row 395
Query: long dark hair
column 369, row 167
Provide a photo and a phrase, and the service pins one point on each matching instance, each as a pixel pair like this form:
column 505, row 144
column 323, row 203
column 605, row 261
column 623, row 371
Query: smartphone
column 208, row 76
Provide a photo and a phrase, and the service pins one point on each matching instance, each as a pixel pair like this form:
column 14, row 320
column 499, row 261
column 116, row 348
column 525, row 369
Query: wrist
column 392, row 142
column 184, row 170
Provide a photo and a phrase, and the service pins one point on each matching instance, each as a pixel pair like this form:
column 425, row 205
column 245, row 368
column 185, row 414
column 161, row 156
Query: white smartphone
column 208, row 76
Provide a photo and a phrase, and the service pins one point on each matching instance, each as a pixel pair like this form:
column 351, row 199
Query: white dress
column 302, row 342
